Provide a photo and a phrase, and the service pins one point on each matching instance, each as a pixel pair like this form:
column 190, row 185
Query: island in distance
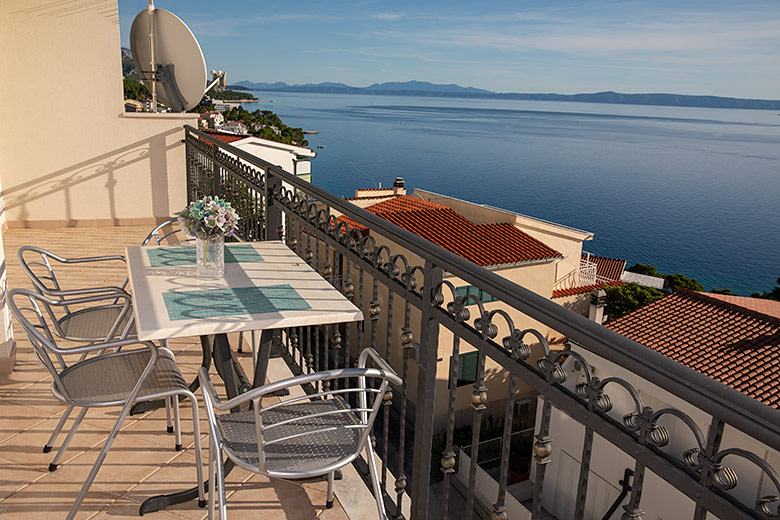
column 423, row 88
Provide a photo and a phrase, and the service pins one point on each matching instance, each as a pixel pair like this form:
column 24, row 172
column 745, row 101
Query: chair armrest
column 380, row 362
column 112, row 290
column 208, row 387
column 91, row 259
column 102, row 346
column 87, row 296
column 271, row 388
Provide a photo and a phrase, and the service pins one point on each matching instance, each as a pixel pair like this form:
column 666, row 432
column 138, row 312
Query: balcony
column 603, row 441
column 617, row 428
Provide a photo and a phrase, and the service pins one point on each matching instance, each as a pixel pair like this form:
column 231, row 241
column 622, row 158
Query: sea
column 689, row 190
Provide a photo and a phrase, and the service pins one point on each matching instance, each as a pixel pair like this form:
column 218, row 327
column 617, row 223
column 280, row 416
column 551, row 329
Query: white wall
column 660, row 500
column 69, row 153
column 279, row 155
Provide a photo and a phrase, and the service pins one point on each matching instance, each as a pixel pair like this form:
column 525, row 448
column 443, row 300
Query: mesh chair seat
column 88, row 324
column 315, row 449
column 112, row 378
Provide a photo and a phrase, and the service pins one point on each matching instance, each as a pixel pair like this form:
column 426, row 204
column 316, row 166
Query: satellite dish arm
column 217, row 78
column 152, row 67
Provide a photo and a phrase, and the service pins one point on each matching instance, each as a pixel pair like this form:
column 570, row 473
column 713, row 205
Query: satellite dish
column 169, row 58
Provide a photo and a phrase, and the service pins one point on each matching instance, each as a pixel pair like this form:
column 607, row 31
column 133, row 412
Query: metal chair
column 104, row 319
column 90, row 323
column 299, row 437
column 167, row 233
column 113, row 377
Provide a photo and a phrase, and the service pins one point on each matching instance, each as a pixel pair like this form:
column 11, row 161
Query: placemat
column 214, row 303
column 185, row 255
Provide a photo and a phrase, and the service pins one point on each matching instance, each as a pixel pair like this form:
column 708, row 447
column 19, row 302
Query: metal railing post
column 426, row 386
column 189, row 165
column 273, row 215
column 215, row 169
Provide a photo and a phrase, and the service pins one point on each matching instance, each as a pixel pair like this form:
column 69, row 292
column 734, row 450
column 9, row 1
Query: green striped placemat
column 215, row 303
column 176, row 256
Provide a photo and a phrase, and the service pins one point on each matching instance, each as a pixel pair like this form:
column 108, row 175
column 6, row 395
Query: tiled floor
column 142, row 462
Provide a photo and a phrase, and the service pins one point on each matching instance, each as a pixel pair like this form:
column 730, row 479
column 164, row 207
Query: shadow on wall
column 65, row 8
column 108, row 166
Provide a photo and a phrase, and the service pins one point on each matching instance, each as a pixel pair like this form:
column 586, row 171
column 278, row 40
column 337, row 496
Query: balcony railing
column 405, row 285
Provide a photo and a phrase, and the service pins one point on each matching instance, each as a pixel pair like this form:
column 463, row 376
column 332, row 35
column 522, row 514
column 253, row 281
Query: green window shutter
column 468, row 364
column 462, row 291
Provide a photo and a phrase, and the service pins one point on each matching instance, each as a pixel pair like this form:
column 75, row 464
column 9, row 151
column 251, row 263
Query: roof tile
column 483, row 244
column 560, row 293
column 608, row 268
column 725, row 339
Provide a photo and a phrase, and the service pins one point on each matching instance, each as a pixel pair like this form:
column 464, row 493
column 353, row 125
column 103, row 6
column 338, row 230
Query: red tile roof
column 728, row 342
column 371, row 197
column 483, row 244
column 225, row 138
column 608, row 268
column 560, row 293
column 768, row 307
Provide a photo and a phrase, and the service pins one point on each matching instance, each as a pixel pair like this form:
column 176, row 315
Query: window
column 467, row 368
column 479, row 293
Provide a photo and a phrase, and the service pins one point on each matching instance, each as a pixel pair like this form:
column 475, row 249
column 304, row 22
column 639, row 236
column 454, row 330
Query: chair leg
column 47, row 447
column 380, row 502
column 212, row 476
column 102, row 455
column 168, row 422
column 220, row 478
column 240, row 348
column 68, row 439
column 176, row 422
column 198, row 450
column 329, row 503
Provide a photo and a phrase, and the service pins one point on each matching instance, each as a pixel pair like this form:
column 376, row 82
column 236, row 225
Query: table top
column 265, row 286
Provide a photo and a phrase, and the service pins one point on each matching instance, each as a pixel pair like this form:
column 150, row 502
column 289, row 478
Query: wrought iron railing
column 406, row 287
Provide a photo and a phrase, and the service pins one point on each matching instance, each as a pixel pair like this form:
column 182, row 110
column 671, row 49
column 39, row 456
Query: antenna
column 167, row 54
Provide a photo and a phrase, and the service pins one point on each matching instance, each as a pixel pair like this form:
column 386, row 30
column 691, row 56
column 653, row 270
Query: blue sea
column 688, row 190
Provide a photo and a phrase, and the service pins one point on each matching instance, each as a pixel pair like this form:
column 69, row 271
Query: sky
column 714, row 47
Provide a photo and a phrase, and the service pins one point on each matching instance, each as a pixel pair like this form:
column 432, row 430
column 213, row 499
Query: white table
column 266, row 286
column 279, row 267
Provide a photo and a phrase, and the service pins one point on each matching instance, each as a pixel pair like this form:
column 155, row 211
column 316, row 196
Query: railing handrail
column 733, row 407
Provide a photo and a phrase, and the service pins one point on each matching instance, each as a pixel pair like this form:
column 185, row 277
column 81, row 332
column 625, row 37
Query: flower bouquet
column 209, row 220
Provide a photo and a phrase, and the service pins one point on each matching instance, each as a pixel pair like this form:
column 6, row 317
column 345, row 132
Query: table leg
column 263, row 356
column 216, row 348
column 261, row 368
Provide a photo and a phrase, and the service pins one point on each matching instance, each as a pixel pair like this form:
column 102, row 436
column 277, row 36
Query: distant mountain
column 422, row 88
column 261, row 86
column 408, row 88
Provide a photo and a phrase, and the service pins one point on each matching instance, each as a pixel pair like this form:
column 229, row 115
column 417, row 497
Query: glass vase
column 211, row 256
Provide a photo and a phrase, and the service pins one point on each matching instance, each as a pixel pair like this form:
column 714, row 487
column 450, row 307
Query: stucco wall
column 69, row 153
column 275, row 155
column 659, row 499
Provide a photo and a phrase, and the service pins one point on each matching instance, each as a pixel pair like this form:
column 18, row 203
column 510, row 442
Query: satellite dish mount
column 169, row 58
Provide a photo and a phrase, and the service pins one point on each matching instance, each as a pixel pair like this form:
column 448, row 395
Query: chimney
column 598, row 300
column 398, row 186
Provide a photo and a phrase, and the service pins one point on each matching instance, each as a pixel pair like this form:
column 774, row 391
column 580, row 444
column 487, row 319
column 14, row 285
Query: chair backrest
column 40, row 335
column 167, row 233
column 40, row 273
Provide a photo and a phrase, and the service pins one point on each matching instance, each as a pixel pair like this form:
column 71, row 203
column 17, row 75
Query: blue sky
column 724, row 48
